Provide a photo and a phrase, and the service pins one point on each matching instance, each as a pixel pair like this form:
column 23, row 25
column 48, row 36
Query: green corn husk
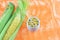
column 11, row 29
column 5, row 17
column 8, row 24
column 23, row 13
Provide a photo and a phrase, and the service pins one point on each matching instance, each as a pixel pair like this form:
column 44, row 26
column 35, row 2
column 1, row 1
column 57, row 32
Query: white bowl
column 33, row 28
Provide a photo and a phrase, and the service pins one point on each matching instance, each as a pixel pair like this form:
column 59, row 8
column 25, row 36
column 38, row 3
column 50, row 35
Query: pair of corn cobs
column 11, row 20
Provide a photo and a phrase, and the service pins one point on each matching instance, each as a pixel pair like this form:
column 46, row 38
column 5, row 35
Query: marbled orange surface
column 48, row 11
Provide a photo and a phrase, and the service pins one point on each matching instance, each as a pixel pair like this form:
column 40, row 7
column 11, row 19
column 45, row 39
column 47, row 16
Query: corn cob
column 8, row 24
column 6, row 16
column 13, row 26
column 25, row 5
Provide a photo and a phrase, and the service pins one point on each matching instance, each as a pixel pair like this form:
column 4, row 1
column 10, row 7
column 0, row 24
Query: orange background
column 49, row 15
